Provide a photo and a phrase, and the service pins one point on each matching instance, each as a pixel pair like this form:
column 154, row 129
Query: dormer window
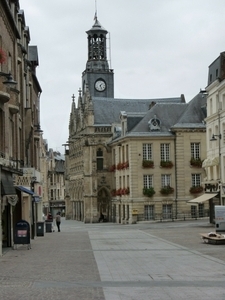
column 154, row 124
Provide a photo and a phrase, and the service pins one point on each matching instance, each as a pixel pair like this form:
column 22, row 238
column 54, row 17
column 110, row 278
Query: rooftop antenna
column 95, row 17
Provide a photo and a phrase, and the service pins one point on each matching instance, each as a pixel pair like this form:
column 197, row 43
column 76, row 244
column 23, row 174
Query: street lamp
column 220, row 168
column 9, row 79
column 38, row 128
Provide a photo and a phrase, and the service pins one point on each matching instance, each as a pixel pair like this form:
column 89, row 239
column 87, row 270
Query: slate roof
column 194, row 115
column 171, row 116
column 167, row 113
column 107, row 110
column 33, row 54
column 59, row 166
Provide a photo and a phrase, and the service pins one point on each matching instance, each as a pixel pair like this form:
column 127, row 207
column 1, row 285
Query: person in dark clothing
column 58, row 221
column 50, row 217
column 101, row 218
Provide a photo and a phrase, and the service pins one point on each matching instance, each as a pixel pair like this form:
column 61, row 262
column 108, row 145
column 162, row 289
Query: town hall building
column 131, row 159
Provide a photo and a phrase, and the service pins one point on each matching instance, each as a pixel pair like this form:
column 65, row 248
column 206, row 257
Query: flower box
column 2, row 56
column 166, row 190
column 126, row 165
column 119, row 166
column 112, row 168
column 166, row 164
column 147, row 163
column 196, row 162
column 127, row 191
column 119, row 192
column 113, row 192
column 122, row 166
column 149, row 192
column 196, row 189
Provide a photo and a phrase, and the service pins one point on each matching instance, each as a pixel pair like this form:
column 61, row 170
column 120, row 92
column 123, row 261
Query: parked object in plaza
column 213, row 238
column 220, row 218
column 22, row 234
column 48, row 226
column 49, row 223
column 40, row 228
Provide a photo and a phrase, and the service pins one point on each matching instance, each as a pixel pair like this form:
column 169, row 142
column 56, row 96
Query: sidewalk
column 112, row 262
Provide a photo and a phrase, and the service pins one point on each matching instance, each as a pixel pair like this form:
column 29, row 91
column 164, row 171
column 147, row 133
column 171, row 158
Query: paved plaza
column 156, row 261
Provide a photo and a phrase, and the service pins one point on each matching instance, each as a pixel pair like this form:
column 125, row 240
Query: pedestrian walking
column 58, row 221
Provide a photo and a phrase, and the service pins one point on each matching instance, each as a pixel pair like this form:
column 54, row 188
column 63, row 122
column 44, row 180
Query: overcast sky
column 159, row 48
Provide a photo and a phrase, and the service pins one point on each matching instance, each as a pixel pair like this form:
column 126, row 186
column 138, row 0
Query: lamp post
column 9, row 79
column 33, row 208
column 220, row 168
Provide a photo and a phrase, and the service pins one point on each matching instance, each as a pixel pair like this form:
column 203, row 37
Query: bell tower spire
column 97, row 74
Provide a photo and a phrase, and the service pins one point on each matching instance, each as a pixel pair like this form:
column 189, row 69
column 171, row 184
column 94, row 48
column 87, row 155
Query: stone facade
column 215, row 124
column 55, row 182
column 109, row 140
column 19, row 125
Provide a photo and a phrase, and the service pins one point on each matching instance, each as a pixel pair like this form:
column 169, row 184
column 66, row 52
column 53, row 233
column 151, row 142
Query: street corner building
column 20, row 134
column 132, row 159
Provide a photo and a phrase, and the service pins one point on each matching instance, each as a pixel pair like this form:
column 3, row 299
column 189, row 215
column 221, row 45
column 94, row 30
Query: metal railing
column 184, row 215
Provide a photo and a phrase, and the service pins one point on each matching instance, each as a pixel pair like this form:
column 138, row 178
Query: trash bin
column 22, row 234
column 48, row 226
column 40, row 228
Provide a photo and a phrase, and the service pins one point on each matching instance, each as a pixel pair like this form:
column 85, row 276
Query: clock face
column 100, row 85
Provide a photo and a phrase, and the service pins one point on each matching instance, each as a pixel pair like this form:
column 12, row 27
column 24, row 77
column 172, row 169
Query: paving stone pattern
column 157, row 261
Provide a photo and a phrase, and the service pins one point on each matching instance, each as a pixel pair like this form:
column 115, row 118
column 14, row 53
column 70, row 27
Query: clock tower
column 97, row 74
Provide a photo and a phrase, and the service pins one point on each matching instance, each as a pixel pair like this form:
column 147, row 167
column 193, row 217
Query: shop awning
column 35, row 197
column 7, row 187
column 202, row 198
column 25, row 190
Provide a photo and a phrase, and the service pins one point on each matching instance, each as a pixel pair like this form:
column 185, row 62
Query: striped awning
column 202, row 198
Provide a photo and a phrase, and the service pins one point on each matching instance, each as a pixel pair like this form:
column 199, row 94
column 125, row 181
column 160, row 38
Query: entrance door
column 104, row 203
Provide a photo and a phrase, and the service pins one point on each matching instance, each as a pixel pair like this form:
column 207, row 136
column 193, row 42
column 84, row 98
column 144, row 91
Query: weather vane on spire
column 95, row 17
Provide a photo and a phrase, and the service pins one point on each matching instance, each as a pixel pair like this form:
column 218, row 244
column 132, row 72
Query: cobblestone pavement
column 157, row 261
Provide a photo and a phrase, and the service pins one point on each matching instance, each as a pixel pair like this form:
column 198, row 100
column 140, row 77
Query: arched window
column 99, row 159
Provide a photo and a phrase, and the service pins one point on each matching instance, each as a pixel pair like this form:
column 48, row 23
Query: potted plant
column 196, row 189
column 149, row 192
column 119, row 166
column 127, row 191
column 166, row 164
column 196, row 162
column 166, row 190
column 2, row 56
column 113, row 192
column 126, row 165
column 119, row 192
column 147, row 163
column 112, row 168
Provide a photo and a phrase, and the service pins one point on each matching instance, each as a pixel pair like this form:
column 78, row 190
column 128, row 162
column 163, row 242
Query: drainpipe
column 175, row 152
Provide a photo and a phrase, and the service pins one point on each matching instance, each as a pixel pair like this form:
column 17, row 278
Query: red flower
column 2, row 56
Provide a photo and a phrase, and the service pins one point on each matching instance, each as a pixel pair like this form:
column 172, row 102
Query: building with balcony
column 20, row 132
column 215, row 128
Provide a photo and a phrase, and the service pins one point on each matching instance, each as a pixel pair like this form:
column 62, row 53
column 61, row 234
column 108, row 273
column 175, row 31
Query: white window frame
column 147, row 151
column 147, row 181
column 149, row 212
column 195, row 179
column 165, row 152
column 195, row 150
column 165, row 180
